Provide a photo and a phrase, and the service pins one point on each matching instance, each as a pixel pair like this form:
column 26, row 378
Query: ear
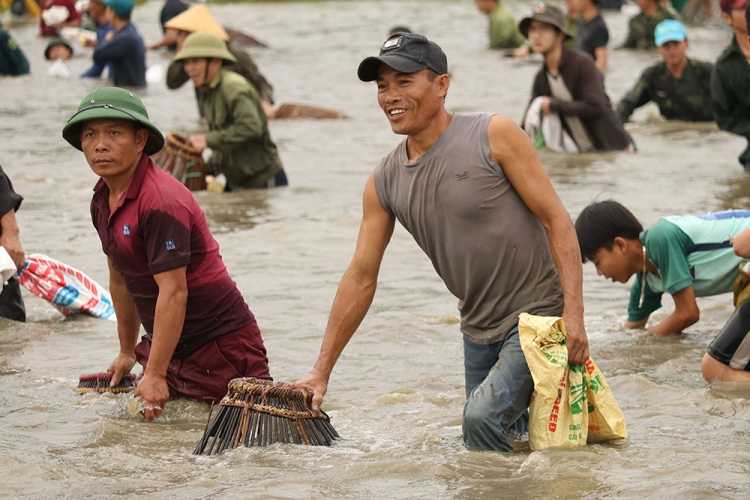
column 141, row 138
column 727, row 18
column 443, row 83
column 619, row 243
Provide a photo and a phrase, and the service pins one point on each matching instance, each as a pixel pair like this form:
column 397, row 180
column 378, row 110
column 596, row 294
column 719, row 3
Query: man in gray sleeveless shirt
column 472, row 192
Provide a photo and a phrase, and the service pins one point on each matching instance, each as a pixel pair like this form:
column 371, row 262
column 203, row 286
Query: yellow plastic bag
column 571, row 404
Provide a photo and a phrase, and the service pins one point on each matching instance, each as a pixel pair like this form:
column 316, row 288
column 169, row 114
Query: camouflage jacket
column 730, row 82
column 687, row 99
column 641, row 31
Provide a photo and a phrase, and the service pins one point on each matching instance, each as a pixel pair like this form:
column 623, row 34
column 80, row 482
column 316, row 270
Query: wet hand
column 12, row 245
column 155, row 394
column 545, row 107
column 109, row 36
column 268, row 108
column 198, row 141
column 315, row 383
column 122, row 364
column 577, row 341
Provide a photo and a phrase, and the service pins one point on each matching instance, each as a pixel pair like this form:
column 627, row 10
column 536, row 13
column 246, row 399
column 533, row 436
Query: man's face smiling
column 112, row 147
column 410, row 100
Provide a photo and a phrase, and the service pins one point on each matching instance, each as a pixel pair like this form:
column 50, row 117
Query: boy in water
column 685, row 256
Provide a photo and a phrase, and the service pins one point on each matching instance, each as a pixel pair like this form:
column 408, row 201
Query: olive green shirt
column 641, row 31
column 504, row 32
column 730, row 81
column 238, row 132
column 687, row 98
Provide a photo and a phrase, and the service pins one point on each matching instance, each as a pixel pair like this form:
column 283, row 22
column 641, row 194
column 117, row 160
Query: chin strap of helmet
column 205, row 76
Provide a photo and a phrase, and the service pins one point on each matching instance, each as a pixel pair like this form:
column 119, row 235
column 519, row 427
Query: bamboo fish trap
column 183, row 161
column 296, row 111
column 99, row 382
column 259, row 412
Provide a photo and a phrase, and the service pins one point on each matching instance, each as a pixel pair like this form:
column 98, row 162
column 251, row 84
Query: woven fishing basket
column 259, row 412
column 183, row 161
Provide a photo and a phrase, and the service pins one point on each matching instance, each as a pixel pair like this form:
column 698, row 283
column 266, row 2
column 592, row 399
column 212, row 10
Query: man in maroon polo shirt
column 164, row 265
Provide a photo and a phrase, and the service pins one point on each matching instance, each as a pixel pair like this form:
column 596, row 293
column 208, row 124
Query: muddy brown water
column 397, row 393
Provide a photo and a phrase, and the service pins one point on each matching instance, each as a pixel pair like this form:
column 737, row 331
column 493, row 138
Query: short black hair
column 600, row 223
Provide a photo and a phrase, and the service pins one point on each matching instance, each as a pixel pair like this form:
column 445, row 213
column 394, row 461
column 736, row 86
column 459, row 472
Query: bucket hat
column 547, row 14
column 112, row 103
column 407, row 53
column 669, row 30
column 55, row 42
column 121, row 8
column 197, row 18
column 203, row 44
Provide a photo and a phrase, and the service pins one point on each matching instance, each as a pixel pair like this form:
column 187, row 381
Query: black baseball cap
column 407, row 53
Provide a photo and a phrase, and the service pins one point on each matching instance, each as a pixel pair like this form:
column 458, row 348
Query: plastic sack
column 55, row 15
column 572, row 404
column 65, row 287
column 7, row 267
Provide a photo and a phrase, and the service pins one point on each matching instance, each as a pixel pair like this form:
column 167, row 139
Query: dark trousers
column 11, row 302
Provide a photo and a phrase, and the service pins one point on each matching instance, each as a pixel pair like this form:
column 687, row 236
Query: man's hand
column 198, row 141
column 109, row 36
column 314, row 382
column 545, row 107
column 123, row 363
column 577, row 341
column 268, row 108
column 521, row 52
column 9, row 239
column 155, row 394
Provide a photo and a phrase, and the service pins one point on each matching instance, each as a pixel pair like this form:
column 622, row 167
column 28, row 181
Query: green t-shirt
column 504, row 32
column 691, row 250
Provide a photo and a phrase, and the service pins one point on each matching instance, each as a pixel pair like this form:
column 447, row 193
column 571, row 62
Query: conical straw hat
column 197, row 18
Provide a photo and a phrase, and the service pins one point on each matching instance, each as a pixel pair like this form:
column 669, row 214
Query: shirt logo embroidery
column 126, row 229
column 171, row 245
column 462, row 176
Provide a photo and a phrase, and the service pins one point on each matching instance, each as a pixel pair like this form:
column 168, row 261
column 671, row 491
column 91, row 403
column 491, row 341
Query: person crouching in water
column 238, row 128
column 165, row 270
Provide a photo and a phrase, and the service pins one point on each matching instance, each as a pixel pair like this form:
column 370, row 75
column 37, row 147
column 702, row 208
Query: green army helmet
column 201, row 44
column 112, row 103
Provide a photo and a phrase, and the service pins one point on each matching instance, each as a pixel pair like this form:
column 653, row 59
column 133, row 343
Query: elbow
column 688, row 318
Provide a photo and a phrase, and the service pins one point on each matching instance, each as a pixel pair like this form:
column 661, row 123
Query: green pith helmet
column 201, row 45
column 112, row 103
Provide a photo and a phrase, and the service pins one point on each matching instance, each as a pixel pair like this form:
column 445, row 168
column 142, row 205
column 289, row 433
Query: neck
column 650, row 10
column 590, row 12
column 418, row 144
column 677, row 69
column 118, row 23
column 552, row 59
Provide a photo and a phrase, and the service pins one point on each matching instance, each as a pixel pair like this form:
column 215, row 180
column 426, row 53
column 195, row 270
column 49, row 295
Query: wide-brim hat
column 204, row 45
column 112, row 103
column 197, row 18
column 547, row 14
column 54, row 43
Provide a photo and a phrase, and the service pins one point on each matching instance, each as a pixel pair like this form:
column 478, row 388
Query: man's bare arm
column 355, row 292
column 513, row 151
column 128, row 325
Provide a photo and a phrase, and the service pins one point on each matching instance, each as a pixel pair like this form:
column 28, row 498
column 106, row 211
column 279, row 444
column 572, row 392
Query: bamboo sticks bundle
column 99, row 382
column 259, row 413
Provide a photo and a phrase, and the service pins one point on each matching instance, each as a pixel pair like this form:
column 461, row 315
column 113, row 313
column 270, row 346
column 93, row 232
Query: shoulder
column 653, row 71
column 664, row 231
column 701, row 66
column 161, row 191
column 234, row 84
column 725, row 55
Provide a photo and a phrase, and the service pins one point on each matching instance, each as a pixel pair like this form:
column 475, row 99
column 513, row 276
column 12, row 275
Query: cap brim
column 72, row 130
column 368, row 68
